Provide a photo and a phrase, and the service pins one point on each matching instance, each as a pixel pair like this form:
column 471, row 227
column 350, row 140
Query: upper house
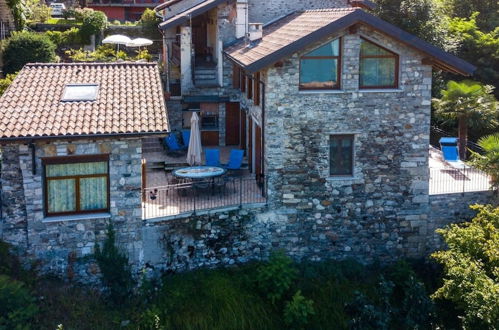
column 330, row 103
column 71, row 150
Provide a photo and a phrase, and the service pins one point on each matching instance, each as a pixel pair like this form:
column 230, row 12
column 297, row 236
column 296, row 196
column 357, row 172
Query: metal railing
column 191, row 196
column 452, row 180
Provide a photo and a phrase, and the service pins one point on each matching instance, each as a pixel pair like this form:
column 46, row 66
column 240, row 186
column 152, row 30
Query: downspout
column 263, row 138
column 33, row 158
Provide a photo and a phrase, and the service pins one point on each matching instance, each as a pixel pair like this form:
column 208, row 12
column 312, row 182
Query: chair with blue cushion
column 212, row 157
column 235, row 159
column 186, row 136
column 172, row 144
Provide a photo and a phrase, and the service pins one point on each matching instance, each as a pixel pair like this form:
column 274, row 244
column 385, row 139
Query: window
column 341, row 155
column 80, row 92
column 76, row 184
column 378, row 66
column 320, row 69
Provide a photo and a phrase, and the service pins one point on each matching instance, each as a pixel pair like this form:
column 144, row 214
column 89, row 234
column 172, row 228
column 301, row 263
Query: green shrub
column 115, row 269
column 211, row 299
column 94, row 22
column 68, row 37
column 39, row 12
column 4, row 84
column 69, row 13
column 471, row 268
column 27, row 47
column 275, row 277
column 149, row 23
column 297, row 312
column 17, row 306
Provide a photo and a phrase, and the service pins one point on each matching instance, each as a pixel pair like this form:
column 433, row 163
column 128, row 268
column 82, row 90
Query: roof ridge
column 329, row 9
column 40, row 64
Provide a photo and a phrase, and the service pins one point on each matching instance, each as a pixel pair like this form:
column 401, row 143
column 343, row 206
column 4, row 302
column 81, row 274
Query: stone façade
column 56, row 241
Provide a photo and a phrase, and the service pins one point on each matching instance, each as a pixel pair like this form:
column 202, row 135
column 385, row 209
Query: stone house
column 71, row 155
column 330, row 103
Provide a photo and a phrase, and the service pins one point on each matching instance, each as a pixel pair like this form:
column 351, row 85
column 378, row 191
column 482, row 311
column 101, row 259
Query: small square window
column 341, row 155
column 80, row 92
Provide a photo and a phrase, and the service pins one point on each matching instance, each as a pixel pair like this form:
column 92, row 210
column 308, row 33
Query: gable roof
column 187, row 14
column 129, row 101
column 299, row 29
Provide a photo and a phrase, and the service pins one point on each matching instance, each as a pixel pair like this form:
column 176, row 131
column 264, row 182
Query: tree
column 419, row 17
column 471, row 268
column 465, row 39
column 27, row 47
column 489, row 160
column 471, row 103
column 19, row 10
column 94, row 22
column 488, row 18
column 149, row 22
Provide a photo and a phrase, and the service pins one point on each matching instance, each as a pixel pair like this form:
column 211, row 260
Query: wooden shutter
column 256, row 94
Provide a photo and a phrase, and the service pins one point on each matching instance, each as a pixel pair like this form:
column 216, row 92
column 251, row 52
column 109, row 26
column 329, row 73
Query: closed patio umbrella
column 194, row 151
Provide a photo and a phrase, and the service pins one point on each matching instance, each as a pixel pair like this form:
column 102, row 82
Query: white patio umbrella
column 194, row 151
column 139, row 42
column 117, row 39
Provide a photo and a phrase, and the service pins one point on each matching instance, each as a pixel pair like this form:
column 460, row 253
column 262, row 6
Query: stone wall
column 384, row 205
column 264, row 11
column 453, row 208
column 56, row 241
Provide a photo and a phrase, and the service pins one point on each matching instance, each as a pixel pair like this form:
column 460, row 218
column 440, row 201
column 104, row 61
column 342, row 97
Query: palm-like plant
column 488, row 161
column 472, row 104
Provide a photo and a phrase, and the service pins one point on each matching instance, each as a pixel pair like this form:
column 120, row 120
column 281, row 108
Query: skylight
column 80, row 92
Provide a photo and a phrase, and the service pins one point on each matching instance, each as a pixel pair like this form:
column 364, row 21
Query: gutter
column 31, row 139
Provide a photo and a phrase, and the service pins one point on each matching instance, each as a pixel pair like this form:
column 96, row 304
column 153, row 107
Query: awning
column 191, row 13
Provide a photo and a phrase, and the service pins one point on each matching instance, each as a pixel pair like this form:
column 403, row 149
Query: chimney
column 255, row 31
column 365, row 4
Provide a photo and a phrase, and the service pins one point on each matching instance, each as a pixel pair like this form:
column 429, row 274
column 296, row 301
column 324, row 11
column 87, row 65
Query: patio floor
column 445, row 179
column 166, row 196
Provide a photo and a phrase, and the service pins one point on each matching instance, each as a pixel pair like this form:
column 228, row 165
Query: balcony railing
column 189, row 197
column 451, row 180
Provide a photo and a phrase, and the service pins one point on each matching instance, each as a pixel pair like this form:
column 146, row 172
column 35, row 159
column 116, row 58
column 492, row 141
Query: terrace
column 165, row 195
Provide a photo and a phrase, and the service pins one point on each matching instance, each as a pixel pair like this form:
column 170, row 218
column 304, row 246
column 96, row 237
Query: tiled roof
column 129, row 101
column 284, row 32
column 299, row 29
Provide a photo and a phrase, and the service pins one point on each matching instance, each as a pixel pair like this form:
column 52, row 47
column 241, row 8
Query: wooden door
column 258, row 152
column 199, row 37
column 250, row 143
column 232, row 123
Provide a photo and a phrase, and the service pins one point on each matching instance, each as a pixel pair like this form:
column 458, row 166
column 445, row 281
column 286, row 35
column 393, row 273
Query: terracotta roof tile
column 285, row 31
column 129, row 100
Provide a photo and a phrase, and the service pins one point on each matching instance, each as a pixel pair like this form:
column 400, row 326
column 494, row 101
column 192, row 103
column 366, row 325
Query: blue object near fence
column 235, row 159
column 172, row 143
column 212, row 157
column 186, row 136
column 449, row 148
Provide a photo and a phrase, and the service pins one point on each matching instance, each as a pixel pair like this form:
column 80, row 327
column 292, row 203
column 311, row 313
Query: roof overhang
column 26, row 139
column 190, row 13
column 434, row 56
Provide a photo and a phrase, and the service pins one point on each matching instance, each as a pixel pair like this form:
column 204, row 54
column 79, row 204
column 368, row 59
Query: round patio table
column 199, row 172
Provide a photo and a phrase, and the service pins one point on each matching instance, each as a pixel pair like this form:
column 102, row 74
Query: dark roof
column 129, row 101
column 190, row 13
column 297, row 30
column 166, row 4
